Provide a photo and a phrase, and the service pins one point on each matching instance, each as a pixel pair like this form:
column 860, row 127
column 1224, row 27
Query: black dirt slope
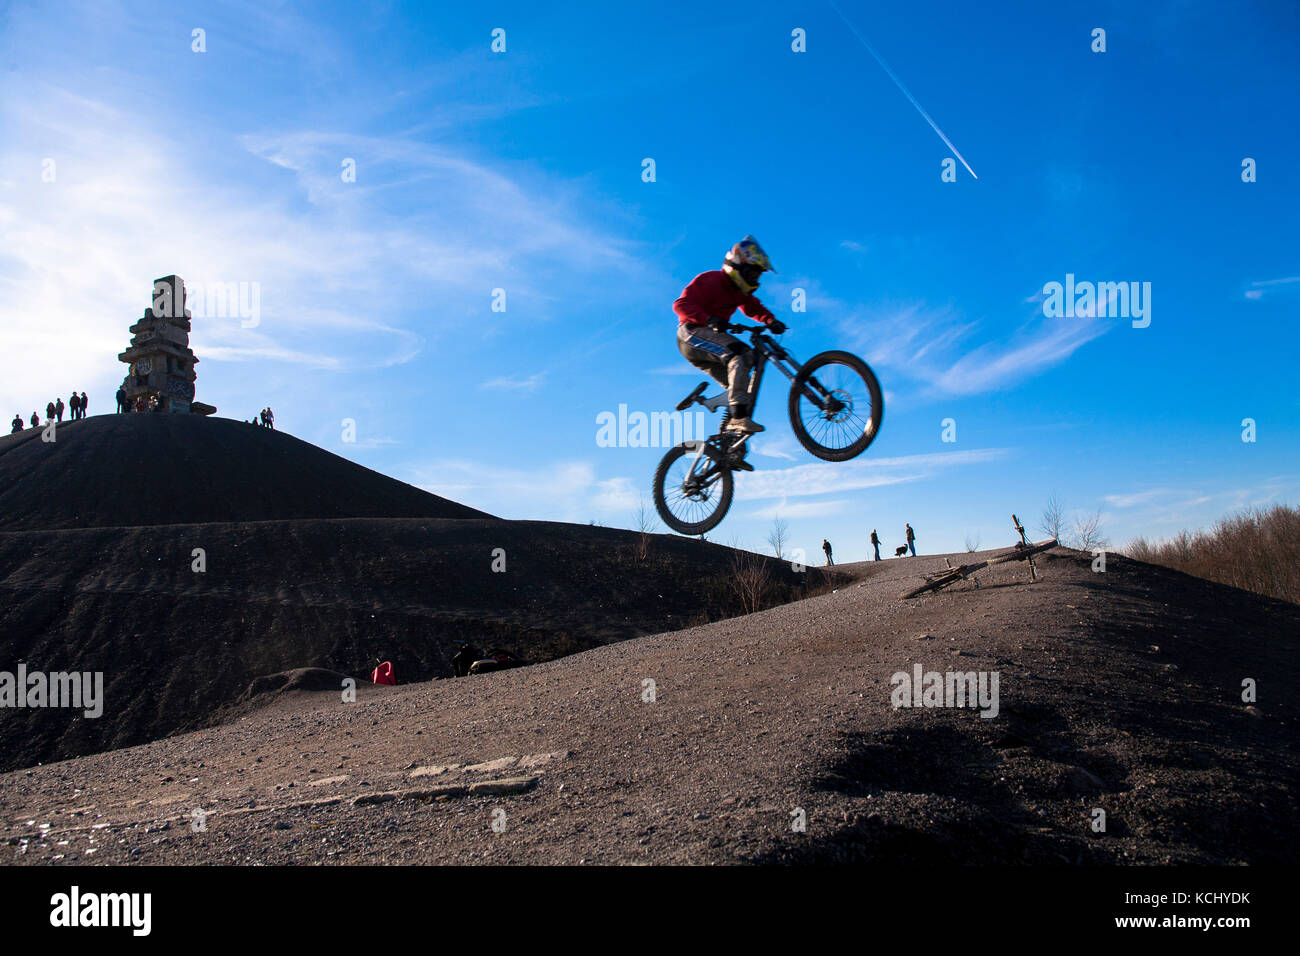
column 127, row 470
column 176, row 647
column 310, row 561
column 1119, row 691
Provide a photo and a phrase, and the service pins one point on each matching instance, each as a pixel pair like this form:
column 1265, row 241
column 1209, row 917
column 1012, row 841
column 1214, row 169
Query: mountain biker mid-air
column 835, row 401
column 704, row 307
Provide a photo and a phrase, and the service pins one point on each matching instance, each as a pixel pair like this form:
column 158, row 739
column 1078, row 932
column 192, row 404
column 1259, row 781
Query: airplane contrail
column 906, row 92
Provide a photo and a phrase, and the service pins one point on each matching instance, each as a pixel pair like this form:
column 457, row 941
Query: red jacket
column 712, row 295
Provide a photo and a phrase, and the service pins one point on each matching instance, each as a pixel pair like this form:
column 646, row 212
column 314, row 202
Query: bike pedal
column 741, row 466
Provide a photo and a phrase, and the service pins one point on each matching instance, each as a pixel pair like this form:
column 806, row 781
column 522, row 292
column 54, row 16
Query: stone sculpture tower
column 161, row 363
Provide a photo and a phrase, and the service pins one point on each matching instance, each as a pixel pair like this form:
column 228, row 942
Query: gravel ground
column 1118, row 692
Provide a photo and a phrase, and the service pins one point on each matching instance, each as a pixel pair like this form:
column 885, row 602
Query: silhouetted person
column 270, row 418
column 36, row 420
column 911, row 540
column 17, row 425
column 463, row 658
column 826, row 546
column 875, row 543
column 58, row 410
column 82, row 407
column 49, row 411
column 121, row 401
column 74, row 406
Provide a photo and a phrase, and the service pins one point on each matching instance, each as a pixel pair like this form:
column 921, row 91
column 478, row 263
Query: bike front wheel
column 692, row 491
column 836, row 406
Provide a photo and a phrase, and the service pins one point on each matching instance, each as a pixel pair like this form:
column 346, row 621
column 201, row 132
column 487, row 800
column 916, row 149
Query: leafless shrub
column 1087, row 533
column 1142, row 550
column 751, row 580
column 778, row 536
column 1257, row 550
column 972, row 542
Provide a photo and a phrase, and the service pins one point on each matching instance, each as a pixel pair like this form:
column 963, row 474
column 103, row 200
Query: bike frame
column 767, row 351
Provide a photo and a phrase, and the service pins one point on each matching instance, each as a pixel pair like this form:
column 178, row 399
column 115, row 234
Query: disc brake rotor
column 838, row 407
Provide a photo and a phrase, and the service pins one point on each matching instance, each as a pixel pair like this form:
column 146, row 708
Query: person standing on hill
column 17, row 425
column 49, row 411
column 463, row 658
column 81, row 408
column 74, row 405
column 875, row 543
column 911, row 540
column 826, row 546
column 121, row 401
column 58, row 410
column 36, row 420
column 270, row 418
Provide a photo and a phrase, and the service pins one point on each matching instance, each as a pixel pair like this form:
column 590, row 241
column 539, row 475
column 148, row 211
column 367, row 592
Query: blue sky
column 522, row 171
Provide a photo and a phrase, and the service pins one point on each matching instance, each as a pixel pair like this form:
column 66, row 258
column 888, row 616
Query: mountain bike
column 835, row 410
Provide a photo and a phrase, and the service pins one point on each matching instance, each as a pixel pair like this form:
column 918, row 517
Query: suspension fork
column 699, row 453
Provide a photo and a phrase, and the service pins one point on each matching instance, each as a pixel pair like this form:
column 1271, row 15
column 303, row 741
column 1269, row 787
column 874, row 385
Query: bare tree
column 1087, row 532
column 645, row 525
column 778, row 536
column 973, row 542
column 645, row 518
column 1052, row 523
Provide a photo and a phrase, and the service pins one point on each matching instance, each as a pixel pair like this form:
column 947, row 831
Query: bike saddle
column 690, row 399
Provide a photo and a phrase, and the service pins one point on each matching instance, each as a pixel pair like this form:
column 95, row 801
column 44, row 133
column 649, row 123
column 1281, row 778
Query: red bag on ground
column 383, row 674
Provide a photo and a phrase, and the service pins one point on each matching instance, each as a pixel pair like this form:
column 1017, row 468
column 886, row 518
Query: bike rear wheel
column 692, row 501
column 836, row 406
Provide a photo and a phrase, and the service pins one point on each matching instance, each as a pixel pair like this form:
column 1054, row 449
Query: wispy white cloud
column 939, row 346
column 557, row 491
column 344, row 270
column 529, row 384
column 270, row 353
column 804, row 509
column 1165, row 511
column 1134, row 498
column 774, row 447
column 829, row 478
column 1257, row 289
column 999, row 365
column 575, row 491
